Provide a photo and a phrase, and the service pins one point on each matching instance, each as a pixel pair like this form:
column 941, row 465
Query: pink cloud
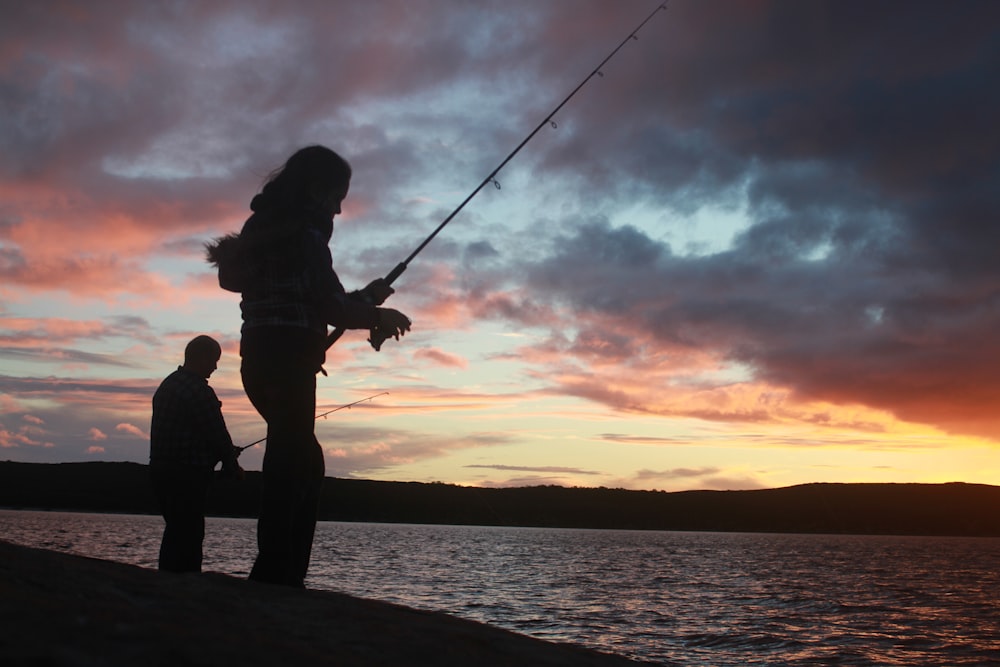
column 93, row 275
column 23, row 436
column 30, row 332
column 9, row 440
column 132, row 430
column 441, row 358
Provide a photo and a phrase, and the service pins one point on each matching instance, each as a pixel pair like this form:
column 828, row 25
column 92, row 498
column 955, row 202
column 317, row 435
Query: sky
column 760, row 248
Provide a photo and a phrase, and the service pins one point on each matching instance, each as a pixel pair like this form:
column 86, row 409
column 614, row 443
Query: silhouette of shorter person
column 188, row 437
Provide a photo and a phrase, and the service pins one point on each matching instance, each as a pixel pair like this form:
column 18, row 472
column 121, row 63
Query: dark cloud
column 846, row 328
column 52, row 385
column 864, row 141
column 62, row 356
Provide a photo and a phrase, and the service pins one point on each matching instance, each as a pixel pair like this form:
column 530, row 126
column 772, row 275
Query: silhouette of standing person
column 187, row 438
column 281, row 263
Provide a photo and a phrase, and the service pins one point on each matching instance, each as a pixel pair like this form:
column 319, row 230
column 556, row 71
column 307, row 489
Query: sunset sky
column 762, row 249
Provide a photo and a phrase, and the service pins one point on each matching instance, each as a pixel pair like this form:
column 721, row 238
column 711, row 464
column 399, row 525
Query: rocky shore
column 63, row 610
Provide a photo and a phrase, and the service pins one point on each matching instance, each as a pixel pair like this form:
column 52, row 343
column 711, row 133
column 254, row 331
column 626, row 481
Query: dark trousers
column 182, row 493
column 279, row 376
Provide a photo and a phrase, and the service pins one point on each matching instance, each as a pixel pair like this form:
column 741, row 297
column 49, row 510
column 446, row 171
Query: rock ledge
column 61, row 609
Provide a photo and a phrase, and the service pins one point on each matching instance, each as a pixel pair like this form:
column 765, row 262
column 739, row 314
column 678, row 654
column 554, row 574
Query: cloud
column 879, row 291
column 28, row 435
column 132, row 430
column 96, row 434
column 846, row 329
column 676, row 473
column 543, row 469
column 9, row 440
column 85, row 390
column 32, row 331
column 374, row 450
column 69, row 357
column 441, row 358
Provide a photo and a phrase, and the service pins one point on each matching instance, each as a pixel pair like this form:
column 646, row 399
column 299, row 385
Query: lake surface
column 719, row 599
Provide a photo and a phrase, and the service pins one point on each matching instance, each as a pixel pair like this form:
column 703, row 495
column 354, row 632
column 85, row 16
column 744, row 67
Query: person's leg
column 182, row 495
column 285, row 395
column 304, row 521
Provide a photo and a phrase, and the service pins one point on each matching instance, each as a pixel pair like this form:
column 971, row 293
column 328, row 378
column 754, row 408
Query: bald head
column 201, row 356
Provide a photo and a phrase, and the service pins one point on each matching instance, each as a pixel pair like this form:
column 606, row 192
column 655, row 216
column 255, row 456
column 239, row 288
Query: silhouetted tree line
column 890, row 509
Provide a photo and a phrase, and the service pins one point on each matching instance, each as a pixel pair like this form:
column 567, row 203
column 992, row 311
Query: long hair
column 285, row 205
column 310, row 172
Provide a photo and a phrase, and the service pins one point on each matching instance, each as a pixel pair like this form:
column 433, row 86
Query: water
column 675, row 598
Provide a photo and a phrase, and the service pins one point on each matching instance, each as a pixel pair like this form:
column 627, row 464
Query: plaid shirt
column 187, row 427
column 295, row 286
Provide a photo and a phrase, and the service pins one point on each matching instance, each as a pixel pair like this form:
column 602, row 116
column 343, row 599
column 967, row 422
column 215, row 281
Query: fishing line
column 239, row 450
column 377, row 338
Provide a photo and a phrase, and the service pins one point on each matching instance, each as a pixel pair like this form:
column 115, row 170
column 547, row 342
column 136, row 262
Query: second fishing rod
column 347, row 406
column 376, row 338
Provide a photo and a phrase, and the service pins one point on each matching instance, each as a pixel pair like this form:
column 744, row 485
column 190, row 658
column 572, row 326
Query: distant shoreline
column 952, row 509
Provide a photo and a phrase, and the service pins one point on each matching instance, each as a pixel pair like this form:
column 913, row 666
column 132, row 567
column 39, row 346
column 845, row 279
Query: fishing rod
column 328, row 412
column 376, row 337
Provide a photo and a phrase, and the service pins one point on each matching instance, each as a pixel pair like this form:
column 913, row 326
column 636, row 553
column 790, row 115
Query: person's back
column 179, row 433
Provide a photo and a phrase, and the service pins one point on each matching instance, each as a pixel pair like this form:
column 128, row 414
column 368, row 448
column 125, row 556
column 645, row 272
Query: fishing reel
column 376, row 336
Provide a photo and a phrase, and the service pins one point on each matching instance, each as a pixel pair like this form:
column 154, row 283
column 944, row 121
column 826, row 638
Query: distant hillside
column 892, row 509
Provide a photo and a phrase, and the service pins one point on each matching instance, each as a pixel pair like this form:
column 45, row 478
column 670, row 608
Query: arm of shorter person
column 216, row 433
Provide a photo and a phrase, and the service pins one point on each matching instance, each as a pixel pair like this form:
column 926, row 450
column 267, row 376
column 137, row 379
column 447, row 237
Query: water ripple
column 671, row 598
